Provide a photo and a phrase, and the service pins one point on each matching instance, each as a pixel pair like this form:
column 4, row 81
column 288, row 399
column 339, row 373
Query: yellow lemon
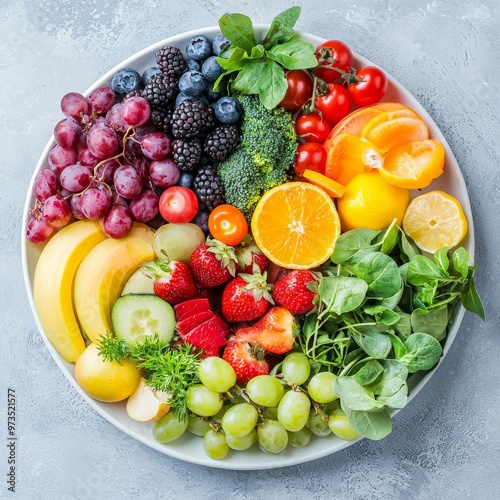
column 372, row 202
column 103, row 380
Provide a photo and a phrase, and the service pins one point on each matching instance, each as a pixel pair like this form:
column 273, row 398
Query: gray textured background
column 445, row 444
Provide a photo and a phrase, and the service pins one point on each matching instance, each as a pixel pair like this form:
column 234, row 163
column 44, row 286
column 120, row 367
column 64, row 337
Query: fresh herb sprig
column 259, row 68
column 168, row 370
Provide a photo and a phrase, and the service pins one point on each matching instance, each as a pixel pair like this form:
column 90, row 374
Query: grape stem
column 243, row 394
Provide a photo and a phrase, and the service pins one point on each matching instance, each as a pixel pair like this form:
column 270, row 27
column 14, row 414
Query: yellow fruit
column 435, row 220
column 101, row 278
column 372, row 202
column 296, row 225
column 53, row 285
column 103, row 380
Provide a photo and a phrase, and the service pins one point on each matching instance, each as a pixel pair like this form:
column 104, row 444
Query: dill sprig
column 168, row 370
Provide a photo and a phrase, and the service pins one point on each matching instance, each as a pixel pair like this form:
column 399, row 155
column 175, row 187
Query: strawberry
column 208, row 336
column 248, row 254
column 247, row 360
column 293, row 291
column 274, row 332
column 213, row 263
column 174, row 282
column 191, row 307
column 246, row 297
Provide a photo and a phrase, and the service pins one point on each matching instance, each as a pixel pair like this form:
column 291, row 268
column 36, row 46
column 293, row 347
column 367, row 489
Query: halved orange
column 435, row 220
column 414, row 165
column 333, row 188
column 296, row 225
column 349, row 156
column 392, row 129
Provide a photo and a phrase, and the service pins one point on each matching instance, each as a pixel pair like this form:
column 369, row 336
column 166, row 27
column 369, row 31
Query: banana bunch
column 79, row 275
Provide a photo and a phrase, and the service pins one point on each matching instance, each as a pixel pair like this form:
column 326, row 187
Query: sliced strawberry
column 274, row 332
column 293, row 291
column 187, row 324
column 208, row 336
column 246, row 358
column 190, row 308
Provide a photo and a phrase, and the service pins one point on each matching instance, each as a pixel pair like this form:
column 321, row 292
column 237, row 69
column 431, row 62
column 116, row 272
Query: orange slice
column 392, row 129
column 435, row 220
column 349, row 156
column 296, row 225
column 414, row 165
column 333, row 188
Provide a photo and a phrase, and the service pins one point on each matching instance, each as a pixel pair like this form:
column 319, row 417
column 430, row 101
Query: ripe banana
column 101, row 277
column 53, row 285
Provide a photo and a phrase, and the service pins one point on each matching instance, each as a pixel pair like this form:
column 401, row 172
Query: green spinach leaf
column 373, row 425
column 422, row 352
column 342, row 294
column 354, row 395
column 470, row 298
column 381, row 273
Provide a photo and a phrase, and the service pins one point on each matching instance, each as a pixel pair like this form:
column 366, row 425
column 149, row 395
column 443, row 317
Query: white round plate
column 189, row 448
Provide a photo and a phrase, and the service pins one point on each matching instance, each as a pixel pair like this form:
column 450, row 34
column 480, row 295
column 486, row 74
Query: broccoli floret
column 263, row 158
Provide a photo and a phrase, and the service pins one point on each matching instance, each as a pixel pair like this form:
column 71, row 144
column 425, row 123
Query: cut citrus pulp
column 414, row 165
column 333, row 188
column 435, row 220
column 296, row 225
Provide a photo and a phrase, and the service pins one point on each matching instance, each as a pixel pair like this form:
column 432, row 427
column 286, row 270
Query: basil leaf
column 354, row 395
column 375, row 343
column 248, row 77
column 281, row 29
column 433, row 322
column 422, row 270
column 470, row 297
column 235, row 61
column 272, row 84
column 342, row 294
column 373, row 425
column 422, row 352
column 295, row 54
column 381, row 273
column 256, row 53
column 460, row 261
column 238, row 29
column 351, row 242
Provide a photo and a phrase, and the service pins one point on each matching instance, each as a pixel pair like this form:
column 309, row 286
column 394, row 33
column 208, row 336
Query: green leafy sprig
column 259, row 68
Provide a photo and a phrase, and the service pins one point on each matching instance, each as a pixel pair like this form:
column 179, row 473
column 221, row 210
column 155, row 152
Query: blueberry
column 201, row 219
column 211, row 69
column 126, row 80
column 182, row 97
column 150, row 73
column 211, row 95
column 185, row 180
column 192, row 83
column 193, row 65
column 219, row 43
column 198, row 48
column 227, row 110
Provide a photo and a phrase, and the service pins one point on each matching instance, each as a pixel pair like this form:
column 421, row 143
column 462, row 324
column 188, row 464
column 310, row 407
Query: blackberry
column 187, row 153
column 191, row 118
column 162, row 119
column 161, row 91
column 133, row 93
column 221, row 142
column 208, row 188
column 171, row 61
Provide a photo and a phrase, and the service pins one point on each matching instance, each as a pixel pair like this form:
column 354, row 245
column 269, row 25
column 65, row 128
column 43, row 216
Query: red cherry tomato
column 178, row 204
column 332, row 54
column 312, row 127
column 312, row 156
column 300, row 88
column 371, row 87
column 226, row 223
column 334, row 105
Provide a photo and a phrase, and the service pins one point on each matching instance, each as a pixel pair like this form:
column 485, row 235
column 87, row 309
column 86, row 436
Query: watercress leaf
column 403, row 326
column 238, row 29
column 398, row 346
column 442, row 260
column 381, row 273
column 309, row 325
column 294, row 54
column 354, row 395
column 351, row 356
column 397, row 400
column 427, row 292
column 408, row 247
column 233, row 60
column 272, row 84
column 373, row 425
column 350, row 242
column 460, row 261
column 433, row 322
column 376, row 344
column 342, row 294
column 470, row 297
column 392, row 301
column 383, row 315
column 422, row 352
column 422, row 270
column 248, row 79
column 395, row 375
column 369, row 372
column 281, row 29
column 391, row 238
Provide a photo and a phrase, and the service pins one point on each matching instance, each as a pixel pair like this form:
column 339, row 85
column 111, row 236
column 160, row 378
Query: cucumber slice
column 137, row 316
